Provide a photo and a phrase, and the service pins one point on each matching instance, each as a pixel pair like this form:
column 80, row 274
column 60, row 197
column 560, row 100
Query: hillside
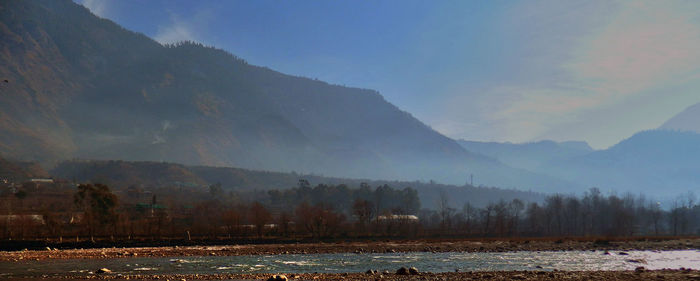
column 687, row 120
column 20, row 171
column 83, row 87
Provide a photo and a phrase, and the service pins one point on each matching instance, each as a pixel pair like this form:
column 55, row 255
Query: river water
column 349, row 262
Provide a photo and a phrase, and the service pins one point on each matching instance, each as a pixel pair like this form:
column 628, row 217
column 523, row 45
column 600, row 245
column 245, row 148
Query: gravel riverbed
column 357, row 247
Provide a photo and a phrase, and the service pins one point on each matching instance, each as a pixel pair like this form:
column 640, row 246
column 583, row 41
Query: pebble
column 278, row 278
column 413, row 270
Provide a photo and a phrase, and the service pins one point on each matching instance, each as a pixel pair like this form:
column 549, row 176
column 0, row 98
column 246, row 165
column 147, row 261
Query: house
column 398, row 218
column 41, row 180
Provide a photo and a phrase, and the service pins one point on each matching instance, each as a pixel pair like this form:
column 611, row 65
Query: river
column 348, row 262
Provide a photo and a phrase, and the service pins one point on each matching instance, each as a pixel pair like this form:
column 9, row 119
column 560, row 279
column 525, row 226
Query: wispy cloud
column 98, row 7
column 648, row 44
column 180, row 28
column 641, row 49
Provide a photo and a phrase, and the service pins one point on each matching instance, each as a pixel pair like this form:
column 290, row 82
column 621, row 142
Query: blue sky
column 514, row 71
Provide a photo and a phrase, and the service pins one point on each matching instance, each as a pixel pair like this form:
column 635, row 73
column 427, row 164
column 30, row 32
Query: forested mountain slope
column 81, row 86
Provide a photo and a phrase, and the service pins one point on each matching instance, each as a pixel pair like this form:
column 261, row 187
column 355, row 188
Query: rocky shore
column 457, row 276
column 358, row 247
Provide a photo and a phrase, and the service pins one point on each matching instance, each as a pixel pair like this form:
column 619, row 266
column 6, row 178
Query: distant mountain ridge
column 687, row 120
column 658, row 163
column 81, row 86
column 531, row 156
column 661, row 163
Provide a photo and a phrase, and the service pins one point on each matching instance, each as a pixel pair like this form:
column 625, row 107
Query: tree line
column 94, row 211
column 592, row 214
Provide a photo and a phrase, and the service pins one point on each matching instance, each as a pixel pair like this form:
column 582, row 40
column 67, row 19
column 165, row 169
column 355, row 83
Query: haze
column 305, row 131
column 597, row 71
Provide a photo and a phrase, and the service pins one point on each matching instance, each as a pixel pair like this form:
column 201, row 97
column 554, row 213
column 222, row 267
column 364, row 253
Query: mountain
column 661, row 163
column 83, row 87
column 20, row 171
column 687, row 120
column 532, row 156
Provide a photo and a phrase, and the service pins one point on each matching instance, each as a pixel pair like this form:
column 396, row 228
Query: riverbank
column 424, row 245
column 501, row 275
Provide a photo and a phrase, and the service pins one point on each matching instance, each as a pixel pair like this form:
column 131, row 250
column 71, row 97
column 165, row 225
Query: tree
column 98, row 204
column 21, row 195
column 363, row 210
column 285, row 224
column 515, row 207
column 445, row 211
column 534, row 214
column 410, row 201
column 232, row 220
column 319, row 220
column 259, row 216
column 216, row 191
column 470, row 214
column 207, row 218
column 655, row 215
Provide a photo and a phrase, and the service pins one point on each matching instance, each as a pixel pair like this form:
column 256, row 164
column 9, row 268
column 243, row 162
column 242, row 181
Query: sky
column 517, row 71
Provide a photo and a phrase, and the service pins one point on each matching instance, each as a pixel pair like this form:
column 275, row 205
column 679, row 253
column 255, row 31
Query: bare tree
column 363, row 210
column 259, row 216
column 470, row 216
column 445, row 211
column 232, row 220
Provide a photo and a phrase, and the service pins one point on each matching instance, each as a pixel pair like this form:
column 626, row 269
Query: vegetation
column 97, row 204
column 94, row 211
column 188, row 103
column 590, row 215
column 149, row 175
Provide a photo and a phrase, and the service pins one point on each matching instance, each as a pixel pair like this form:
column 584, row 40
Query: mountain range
column 660, row 163
column 83, row 87
column 73, row 85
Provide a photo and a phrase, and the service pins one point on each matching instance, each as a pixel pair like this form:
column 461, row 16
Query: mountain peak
column 687, row 120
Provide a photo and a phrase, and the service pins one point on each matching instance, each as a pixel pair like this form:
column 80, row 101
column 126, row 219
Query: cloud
column 642, row 49
column 177, row 30
column 98, row 7
column 647, row 44
column 180, row 28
